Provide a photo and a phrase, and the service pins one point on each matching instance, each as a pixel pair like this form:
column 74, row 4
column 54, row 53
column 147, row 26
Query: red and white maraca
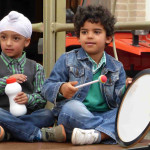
column 101, row 79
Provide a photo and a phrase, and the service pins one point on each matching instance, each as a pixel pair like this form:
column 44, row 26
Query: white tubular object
column 12, row 89
column 101, row 79
column 85, row 84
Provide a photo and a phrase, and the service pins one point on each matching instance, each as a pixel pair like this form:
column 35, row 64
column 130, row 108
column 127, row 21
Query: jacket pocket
column 76, row 72
column 112, row 78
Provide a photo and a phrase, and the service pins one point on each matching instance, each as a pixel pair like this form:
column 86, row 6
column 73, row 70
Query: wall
column 131, row 10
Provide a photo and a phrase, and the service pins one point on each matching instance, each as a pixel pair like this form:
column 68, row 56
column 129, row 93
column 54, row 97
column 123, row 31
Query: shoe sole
column 1, row 133
column 63, row 132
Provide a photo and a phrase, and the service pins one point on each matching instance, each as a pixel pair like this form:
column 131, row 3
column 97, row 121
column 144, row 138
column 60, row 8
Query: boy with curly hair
column 88, row 113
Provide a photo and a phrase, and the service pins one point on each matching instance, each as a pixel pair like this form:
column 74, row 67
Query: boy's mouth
column 90, row 43
column 8, row 50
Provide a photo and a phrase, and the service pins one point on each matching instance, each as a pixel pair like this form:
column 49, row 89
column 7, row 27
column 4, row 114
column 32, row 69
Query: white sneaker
column 83, row 137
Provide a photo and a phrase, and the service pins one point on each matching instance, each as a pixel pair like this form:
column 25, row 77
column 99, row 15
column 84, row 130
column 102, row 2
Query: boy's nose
column 90, row 35
column 9, row 42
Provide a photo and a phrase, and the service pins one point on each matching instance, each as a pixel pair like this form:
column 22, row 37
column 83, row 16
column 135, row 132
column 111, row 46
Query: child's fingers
column 21, row 98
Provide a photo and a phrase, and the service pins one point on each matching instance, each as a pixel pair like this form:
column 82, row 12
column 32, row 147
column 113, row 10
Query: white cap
column 18, row 23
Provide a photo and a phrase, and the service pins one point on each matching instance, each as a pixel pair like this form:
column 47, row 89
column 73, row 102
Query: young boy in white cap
column 15, row 35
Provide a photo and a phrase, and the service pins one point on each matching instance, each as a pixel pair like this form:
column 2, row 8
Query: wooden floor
column 64, row 146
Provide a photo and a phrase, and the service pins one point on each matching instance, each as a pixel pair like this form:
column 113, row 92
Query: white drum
column 133, row 117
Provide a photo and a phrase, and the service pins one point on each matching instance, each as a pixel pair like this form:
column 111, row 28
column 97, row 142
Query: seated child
column 88, row 113
column 15, row 35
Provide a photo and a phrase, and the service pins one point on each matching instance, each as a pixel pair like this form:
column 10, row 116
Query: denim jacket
column 75, row 66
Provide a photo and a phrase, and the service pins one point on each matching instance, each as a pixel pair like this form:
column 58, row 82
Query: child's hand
column 21, row 98
column 19, row 77
column 128, row 81
column 68, row 89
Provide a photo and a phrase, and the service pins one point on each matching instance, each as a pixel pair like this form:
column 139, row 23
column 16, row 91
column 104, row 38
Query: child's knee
column 71, row 106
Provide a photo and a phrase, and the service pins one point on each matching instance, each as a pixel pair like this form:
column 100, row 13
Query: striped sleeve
column 36, row 101
column 2, row 85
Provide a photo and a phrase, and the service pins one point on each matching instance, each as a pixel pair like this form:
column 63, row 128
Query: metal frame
column 54, row 18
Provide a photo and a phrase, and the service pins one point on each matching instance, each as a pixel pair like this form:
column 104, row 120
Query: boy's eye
column 83, row 32
column 3, row 37
column 97, row 32
column 16, row 38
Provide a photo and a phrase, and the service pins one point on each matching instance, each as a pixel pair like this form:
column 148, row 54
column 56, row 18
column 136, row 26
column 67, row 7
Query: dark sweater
column 27, row 87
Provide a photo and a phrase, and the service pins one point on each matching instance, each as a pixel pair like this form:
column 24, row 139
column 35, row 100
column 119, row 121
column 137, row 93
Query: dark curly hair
column 94, row 14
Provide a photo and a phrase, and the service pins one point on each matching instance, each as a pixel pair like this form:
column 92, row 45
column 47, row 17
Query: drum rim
column 142, row 135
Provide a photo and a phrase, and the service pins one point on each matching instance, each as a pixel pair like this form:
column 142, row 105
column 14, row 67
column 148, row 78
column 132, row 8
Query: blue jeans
column 74, row 114
column 26, row 127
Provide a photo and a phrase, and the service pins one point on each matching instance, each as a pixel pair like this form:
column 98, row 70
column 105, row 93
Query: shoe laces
column 91, row 137
column 50, row 134
column 88, row 137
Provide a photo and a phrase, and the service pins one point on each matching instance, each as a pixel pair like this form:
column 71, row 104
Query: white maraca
column 101, row 79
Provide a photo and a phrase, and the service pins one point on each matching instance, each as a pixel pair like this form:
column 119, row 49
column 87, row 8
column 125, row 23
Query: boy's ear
column 108, row 39
column 27, row 42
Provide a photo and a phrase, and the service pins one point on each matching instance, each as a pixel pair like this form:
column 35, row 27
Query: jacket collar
column 81, row 55
column 110, row 61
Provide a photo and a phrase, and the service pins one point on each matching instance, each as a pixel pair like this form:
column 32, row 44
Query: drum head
column 133, row 116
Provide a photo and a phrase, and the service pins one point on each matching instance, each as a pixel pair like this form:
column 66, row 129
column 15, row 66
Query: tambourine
column 133, row 116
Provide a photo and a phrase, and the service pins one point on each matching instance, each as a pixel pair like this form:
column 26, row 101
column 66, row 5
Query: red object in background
column 134, row 58
column 124, row 42
column 70, row 41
